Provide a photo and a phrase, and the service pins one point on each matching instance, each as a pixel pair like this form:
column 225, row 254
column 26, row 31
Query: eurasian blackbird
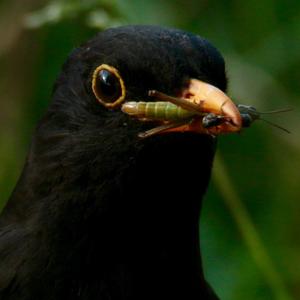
column 98, row 212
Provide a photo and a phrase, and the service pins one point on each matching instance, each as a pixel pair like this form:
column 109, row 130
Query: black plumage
column 99, row 213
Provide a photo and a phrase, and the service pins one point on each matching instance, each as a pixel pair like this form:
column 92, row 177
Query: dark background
column 250, row 221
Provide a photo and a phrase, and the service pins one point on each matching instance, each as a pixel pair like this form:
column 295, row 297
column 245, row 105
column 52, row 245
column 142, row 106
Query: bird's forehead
column 147, row 49
column 143, row 41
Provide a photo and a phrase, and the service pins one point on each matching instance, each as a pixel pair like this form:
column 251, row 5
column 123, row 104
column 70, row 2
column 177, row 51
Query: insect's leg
column 214, row 131
column 159, row 129
column 227, row 119
column 183, row 103
column 221, row 108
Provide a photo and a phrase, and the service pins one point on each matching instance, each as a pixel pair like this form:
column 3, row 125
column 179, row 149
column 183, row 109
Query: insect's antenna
column 275, row 125
column 276, row 111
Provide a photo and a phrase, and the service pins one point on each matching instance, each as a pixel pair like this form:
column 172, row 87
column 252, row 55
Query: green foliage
column 96, row 14
column 250, row 219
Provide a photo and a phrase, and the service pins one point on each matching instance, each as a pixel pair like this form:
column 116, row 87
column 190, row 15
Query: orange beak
column 213, row 100
column 207, row 98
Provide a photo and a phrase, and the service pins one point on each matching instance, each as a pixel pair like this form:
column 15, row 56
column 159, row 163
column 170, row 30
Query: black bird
column 99, row 213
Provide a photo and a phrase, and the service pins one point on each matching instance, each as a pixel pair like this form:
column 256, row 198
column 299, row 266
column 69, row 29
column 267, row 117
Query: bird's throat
column 138, row 232
column 158, row 221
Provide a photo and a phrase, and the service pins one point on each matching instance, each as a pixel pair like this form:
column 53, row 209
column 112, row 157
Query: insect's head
column 249, row 110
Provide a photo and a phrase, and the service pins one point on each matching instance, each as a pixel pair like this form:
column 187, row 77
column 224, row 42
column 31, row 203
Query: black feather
column 99, row 213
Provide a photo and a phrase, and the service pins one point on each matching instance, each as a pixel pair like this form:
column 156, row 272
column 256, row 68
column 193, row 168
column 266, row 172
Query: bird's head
column 125, row 64
column 86, row 140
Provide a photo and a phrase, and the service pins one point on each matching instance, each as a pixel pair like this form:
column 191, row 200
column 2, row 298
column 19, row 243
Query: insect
column 167, row 113
column 178, row 114
column 156, row 111
column 248, row 113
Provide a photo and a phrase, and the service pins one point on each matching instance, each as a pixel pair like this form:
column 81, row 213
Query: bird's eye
column 108, row 86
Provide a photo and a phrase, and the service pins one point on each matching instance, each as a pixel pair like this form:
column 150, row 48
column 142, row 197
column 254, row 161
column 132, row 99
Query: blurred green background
column 251, row 216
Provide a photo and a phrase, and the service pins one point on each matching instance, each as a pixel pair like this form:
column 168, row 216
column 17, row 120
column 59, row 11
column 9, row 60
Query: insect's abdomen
column 156, row 111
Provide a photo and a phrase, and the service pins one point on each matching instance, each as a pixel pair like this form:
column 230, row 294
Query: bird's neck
column 145, row 243
column 137, row 231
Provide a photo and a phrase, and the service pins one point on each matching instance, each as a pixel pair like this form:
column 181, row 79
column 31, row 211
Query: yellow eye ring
column 108, row 86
